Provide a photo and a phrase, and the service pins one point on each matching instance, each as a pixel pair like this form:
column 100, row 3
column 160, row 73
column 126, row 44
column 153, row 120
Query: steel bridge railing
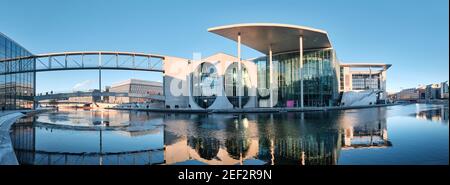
column 83, row 60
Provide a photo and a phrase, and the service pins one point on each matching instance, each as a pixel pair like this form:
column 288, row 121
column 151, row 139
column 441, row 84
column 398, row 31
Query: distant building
column 411, row 94
column 422, row 91
column 433, row 91
column 444, row 90
column 106, row 98
column 137, row 90
column 87, row 99
column 82, row 99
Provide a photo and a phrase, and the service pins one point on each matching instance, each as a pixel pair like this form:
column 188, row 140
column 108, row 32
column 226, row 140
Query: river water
column 401, row 134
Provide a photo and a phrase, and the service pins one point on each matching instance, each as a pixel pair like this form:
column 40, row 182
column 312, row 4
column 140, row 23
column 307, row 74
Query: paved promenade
column 7, row 155
column 7, row 119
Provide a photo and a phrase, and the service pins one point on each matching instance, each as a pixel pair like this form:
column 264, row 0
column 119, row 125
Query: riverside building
column 297, row 68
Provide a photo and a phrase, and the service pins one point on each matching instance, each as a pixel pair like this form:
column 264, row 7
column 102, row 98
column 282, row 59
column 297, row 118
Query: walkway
column 7, row 155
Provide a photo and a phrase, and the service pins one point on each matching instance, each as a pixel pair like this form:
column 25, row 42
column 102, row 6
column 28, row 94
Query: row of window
column 365, row 81
column 319, row 78
column 206, row 86
column 145, row 89
column 16, row 89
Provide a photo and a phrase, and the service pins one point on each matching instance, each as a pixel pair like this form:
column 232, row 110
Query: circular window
column 204, row 85
column 231, row 84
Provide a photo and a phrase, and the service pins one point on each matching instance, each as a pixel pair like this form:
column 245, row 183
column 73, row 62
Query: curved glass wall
column 231, row 84
column 320, row 83
column 205, row 85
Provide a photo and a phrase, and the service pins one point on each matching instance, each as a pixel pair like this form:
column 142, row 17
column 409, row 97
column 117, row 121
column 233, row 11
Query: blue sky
column 411, row 35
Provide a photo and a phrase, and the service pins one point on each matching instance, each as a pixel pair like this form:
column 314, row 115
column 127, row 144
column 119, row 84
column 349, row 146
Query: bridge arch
column 86, row 60
column 79, row 60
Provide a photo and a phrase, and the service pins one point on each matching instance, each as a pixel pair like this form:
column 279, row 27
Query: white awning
column 282, row 37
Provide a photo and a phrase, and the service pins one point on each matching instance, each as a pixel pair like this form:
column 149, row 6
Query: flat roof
column 137, row 81
column 282, row 37
column 387, row 66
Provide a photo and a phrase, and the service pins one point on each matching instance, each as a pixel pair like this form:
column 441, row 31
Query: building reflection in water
column 209, row 139
column 313, row 138
column 23, row 139
column 252, row 139
column 86, row 117
column 365, row 128
column 439, row 114
column 304, row 139
column 30, row 140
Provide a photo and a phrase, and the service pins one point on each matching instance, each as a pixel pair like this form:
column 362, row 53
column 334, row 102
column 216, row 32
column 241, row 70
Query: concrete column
column 35, row 102
column 239, row 80
column 100, row 72
column 189, row 81
column 300, row 40
column 383, row 83
column 370, row 78
column 270, row 75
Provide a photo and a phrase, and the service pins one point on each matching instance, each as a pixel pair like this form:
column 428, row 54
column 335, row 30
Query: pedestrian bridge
column 83, row 61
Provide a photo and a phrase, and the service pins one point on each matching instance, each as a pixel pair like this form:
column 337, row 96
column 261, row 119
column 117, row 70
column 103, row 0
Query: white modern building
column 363, row 83
column 212, row 82
column 298, row 68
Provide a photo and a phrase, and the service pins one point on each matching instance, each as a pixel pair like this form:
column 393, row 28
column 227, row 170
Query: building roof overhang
column 281, row 37
column 366, row 65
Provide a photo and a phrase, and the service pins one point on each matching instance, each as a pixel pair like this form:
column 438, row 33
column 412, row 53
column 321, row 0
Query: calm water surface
column 403, row 134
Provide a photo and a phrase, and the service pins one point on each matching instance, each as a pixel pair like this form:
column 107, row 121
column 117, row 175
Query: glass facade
column 16, row 89
column 205, row 84
column 365, row 81
column 320, row 78
column 231, row 84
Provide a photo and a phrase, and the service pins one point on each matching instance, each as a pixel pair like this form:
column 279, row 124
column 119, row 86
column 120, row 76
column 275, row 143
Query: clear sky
column 412, row 35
